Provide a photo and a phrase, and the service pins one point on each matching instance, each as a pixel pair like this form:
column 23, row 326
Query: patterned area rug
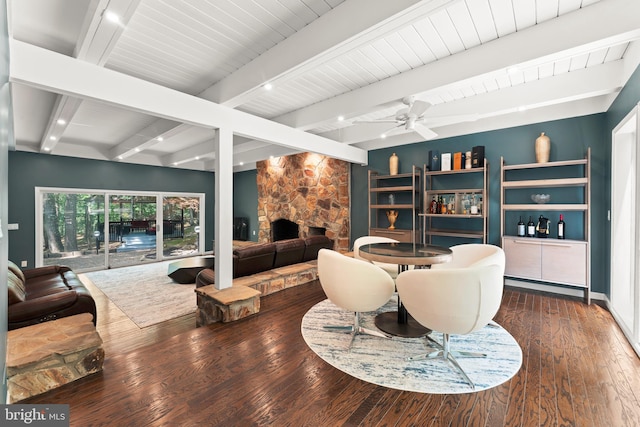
column 145, row 293
column 384, row 361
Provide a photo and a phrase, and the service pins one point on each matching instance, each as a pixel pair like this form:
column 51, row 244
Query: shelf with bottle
column 395, row 197
column 539, row 245
column 541, row 228
column 454, row 204
column 459, row 204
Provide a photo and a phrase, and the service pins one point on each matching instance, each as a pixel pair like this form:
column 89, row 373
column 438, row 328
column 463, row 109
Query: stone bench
column 231, row 304
column 48, row 355
column 277, row 279
column 226, row 305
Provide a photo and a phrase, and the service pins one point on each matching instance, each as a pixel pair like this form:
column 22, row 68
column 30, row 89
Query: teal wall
column 570, row 139
column 30, row 170
column 245, row 199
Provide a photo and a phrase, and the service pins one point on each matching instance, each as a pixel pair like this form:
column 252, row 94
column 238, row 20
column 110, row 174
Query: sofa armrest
column 41, row 306
column 43, row 271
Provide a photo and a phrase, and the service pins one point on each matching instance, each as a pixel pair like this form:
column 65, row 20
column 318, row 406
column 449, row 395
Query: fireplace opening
column 317, row 231
column 282, row 229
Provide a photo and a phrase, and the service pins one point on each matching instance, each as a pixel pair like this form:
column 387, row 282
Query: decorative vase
column 393, row 164
column 392, row 215
column 543, row 146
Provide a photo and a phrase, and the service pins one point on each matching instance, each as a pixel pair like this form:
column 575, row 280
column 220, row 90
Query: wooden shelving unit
column 405, row 189
column 448, row 189
column 546, row 259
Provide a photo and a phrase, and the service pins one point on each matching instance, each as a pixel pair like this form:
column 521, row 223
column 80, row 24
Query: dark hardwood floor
column 578, row 369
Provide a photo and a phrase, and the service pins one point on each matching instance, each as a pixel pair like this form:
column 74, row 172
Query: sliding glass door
column 90, row 230
column 132, row 229
column 69, row 227
column 180, row 226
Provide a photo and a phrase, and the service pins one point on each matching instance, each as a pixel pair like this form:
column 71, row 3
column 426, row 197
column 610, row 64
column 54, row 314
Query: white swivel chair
column 354, row 285
column 453, row 301
column 473, row 255
column 392, row 269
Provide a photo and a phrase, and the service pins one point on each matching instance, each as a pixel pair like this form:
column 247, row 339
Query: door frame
column 629, row 127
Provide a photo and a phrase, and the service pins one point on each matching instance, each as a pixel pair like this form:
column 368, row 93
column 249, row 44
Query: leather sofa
column 45, row 293
column 261, row 257
column 253, row 259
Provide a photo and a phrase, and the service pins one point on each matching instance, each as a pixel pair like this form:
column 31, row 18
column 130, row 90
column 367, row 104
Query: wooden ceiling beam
column 46, row 70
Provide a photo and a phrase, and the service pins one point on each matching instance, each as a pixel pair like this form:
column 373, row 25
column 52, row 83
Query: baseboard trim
column 572, row 292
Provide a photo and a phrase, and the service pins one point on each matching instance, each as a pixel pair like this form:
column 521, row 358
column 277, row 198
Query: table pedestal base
column 388, row 322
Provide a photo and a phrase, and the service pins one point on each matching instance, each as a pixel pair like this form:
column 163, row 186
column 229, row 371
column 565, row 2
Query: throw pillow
column 17, row 291
column 16, row 270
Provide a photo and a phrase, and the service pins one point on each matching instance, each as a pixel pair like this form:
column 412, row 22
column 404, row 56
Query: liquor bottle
column 561, row 227
column 531, row 228
column 434, row 206
column 521, row 228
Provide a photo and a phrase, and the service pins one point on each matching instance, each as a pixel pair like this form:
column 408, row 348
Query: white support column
column 223, row 233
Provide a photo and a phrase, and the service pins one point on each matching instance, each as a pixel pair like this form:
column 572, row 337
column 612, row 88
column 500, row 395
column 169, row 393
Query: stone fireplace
column 309, row 190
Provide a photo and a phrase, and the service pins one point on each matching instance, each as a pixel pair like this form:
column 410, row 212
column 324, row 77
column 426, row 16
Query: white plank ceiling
column 480, row 64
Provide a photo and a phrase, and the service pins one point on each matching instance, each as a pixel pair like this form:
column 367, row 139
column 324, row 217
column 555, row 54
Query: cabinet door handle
column 526, row 242
column 560, row 245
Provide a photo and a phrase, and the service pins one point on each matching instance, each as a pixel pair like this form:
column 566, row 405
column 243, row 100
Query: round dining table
column 419, row 255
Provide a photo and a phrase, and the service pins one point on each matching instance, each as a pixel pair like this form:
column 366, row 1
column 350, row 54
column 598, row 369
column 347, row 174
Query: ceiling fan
column 410, row 117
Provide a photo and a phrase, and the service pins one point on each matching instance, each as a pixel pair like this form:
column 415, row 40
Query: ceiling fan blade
column 419, row 107
column 393, row 130
column 424, row 132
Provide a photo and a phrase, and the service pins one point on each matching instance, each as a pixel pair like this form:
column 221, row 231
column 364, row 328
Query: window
column 92, row 230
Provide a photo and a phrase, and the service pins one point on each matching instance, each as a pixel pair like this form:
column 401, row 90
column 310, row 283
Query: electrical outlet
column 23, row 264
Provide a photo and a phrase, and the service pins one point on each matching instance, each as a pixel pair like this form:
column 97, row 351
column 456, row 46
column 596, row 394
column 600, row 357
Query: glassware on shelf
column 474, row 205
column 466, row 204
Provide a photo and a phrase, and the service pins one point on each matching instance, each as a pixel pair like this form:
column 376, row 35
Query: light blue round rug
column 384, row 361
